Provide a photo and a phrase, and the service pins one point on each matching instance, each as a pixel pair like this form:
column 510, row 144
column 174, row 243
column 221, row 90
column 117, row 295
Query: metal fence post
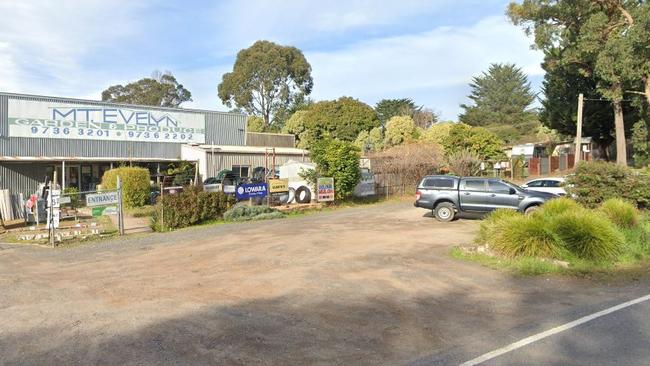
column 120, row 208
column 50, row 216
column 162, row 204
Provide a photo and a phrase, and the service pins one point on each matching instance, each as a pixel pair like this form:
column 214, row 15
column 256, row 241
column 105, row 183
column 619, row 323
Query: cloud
column 420, row 64
column 47, row 42
column 311, row 22
column 424, row 49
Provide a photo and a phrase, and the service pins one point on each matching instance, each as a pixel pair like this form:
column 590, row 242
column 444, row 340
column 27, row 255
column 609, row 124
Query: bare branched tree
column 403, row 166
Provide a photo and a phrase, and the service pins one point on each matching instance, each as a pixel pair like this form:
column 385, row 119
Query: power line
column 607, row 100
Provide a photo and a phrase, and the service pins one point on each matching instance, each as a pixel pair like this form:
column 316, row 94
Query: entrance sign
column 278, row 185
column 39, row 119
column 246, row 191
column 325, row 189
column 102, row 199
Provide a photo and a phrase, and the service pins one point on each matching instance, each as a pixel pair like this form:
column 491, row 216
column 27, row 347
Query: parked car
column 225, row 181
column 553, row 185
column 448, row 196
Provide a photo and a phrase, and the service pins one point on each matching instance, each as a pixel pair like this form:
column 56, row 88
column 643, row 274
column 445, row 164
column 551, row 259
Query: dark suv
column 449, row 195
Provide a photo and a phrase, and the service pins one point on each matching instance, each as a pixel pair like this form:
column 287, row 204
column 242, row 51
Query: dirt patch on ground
column 369, row 285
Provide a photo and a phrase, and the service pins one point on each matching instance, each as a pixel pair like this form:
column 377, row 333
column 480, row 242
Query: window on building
column 240, row 170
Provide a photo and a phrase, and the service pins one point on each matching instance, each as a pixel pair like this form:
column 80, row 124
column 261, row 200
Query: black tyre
column 303, row 195
column 444, row 212
column 530, row 209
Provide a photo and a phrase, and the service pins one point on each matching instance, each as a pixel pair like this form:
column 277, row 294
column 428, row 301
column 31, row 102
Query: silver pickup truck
column 448, row 196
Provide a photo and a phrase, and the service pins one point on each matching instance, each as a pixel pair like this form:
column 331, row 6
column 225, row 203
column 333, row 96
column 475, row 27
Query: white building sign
column 40, row 119
column 102, row 199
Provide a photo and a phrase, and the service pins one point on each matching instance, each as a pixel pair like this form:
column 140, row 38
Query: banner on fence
column 325, row 188
column 246, row 191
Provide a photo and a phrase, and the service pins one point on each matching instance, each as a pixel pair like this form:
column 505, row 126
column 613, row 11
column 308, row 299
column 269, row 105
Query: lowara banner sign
column 246, row 191
column 40, row 119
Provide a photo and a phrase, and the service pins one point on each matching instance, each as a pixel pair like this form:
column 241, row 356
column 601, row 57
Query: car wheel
column 530, row 209
column 445, row 212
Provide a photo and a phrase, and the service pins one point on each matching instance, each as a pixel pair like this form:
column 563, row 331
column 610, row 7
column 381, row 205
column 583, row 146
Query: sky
column 426, row 50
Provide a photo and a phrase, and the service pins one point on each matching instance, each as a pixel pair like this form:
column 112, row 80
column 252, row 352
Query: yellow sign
column 278, row 185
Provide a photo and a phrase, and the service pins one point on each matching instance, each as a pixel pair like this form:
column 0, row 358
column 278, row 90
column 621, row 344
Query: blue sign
column 246, row 191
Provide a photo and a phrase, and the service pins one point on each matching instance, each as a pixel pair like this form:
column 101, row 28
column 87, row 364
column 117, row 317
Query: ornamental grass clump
column 557, row 207
column 587, row 235
column 622, row 213
column 493, row 223
column 524, row 236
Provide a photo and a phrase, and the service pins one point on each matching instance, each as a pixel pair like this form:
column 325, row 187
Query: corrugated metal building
column 80, row 139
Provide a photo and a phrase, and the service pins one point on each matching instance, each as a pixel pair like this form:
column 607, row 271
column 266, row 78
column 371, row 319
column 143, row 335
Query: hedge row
column 136, row 186
column 594, row 182
column 190, row 207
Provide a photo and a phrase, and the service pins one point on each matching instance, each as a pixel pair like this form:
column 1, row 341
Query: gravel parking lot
column 367, row 285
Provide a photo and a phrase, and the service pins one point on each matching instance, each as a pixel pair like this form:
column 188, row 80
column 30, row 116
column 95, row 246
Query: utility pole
column 578, row 154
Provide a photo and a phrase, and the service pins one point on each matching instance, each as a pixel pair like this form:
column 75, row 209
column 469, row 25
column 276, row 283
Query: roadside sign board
column 104, row 210
column 65, row 199
column 246, row 191
column 53, row 201
column 102, row 199
column 53, row 208
column 325, row 189
column 53, row 217
column 278, row 185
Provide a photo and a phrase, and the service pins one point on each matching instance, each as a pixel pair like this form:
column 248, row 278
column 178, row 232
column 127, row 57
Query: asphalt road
column 620, row 338
column 363, row 286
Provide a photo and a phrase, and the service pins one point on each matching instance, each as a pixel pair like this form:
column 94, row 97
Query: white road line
column 550, row 332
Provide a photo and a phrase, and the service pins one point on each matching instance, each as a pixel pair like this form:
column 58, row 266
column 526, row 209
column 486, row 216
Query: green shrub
column 621, row 213
column 595, row 182
column 190, row 207
column 244, row 212
column 73, row 193
column 524, row 236
column 338, row 160
column 587, row 235
column 136, row 186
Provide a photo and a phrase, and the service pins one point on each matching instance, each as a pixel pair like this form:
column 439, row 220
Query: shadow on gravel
column 447, row 329
column 276, row 331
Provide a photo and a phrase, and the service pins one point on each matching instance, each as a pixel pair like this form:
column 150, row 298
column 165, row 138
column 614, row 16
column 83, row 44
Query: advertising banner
column 278, row 185
column 38, row 119
column 325, row 188
column 246, row 191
